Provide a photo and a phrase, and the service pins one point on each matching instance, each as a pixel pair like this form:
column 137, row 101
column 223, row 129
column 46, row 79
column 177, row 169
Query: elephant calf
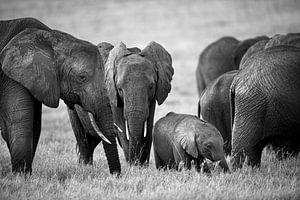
column 181, row 138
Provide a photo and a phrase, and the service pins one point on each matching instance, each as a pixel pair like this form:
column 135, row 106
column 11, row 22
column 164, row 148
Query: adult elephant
column 136, row 80
column 39, row 66
column 265, row 104
column 219, row 57
column 214, row 106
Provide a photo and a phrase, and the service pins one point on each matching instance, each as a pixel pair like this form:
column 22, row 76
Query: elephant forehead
column 136, row 65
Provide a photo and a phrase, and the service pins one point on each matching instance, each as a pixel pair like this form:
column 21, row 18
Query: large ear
column 162, row 61
column 104, row 49
column 30, row 60
column 118, row 52
column 185, row 136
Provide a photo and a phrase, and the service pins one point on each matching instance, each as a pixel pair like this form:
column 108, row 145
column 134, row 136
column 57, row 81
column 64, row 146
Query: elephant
column 181, row 138
column 136, row 79
column 39, row 66
column 264, row 104
column 214, row 106
column 87, row 134
column 221, row 56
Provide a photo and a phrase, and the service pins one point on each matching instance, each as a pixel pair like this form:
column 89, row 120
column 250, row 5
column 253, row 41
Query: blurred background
column 183, row 27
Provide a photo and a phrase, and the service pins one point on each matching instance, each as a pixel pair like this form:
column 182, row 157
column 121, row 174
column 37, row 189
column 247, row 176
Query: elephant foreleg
column 148, row 139
column 18, row 112
column 37, row 123
column 182, row 160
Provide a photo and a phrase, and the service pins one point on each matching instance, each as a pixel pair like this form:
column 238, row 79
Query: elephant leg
column 121, row 134
column 254, row 154
column 148, row 139
column 247, row 141
column 18, row 113
column 86, row 143
column 159, row 163
column 37, row 124
column 182, row 160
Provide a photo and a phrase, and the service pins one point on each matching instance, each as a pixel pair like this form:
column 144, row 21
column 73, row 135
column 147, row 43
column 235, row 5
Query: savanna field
column 184, row 28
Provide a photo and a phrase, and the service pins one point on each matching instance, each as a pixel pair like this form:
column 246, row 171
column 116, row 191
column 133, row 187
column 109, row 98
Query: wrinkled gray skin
column 219, row 57
column 181, row 138
column 262, row 113
column 136, row 80
column 39, row 66
column 215, row 106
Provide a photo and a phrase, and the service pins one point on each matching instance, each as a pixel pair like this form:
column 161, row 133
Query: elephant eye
column 82, row 77
column 151, row 86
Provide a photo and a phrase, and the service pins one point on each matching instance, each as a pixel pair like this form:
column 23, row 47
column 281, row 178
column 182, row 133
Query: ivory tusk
column 96, row 128
column 127, row 131
column 119, row 129
column 145, row 129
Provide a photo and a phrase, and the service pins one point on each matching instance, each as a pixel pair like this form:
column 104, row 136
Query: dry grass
column 184, row 28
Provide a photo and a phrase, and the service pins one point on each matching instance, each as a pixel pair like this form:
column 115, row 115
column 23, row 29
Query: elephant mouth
column 127, row 129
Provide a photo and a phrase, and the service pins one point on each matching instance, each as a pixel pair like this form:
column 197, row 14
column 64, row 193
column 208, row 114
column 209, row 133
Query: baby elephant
column 181, row 138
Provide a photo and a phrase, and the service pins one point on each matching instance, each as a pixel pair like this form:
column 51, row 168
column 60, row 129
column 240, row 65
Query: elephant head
column 199, row 138
column 136, row 80
column 51, row 65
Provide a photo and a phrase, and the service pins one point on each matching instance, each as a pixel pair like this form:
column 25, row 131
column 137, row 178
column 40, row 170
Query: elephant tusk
column 96, row 128
column 119, row 129
column 145, row 129
column 127, row 131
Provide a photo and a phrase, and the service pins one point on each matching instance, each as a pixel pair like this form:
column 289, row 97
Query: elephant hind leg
column 254, row 154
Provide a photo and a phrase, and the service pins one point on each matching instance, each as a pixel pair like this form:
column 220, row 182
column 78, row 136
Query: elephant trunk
column 136, row 134
column 105, row 121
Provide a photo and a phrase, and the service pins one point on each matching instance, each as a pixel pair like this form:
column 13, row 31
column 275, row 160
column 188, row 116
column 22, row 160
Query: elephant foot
column 86, row 160
column 86, row 149
column 22, row 168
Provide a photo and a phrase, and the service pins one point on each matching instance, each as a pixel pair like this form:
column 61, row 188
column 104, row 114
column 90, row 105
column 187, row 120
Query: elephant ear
column 104, row 49
column 162, row 61
column 115, row 55
column 29, row 60
column 185, row 136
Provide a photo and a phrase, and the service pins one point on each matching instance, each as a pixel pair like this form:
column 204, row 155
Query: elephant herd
column 254, row 102
column 249, row 97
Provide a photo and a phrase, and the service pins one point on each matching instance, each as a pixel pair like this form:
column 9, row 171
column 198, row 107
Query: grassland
column 184, row 28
